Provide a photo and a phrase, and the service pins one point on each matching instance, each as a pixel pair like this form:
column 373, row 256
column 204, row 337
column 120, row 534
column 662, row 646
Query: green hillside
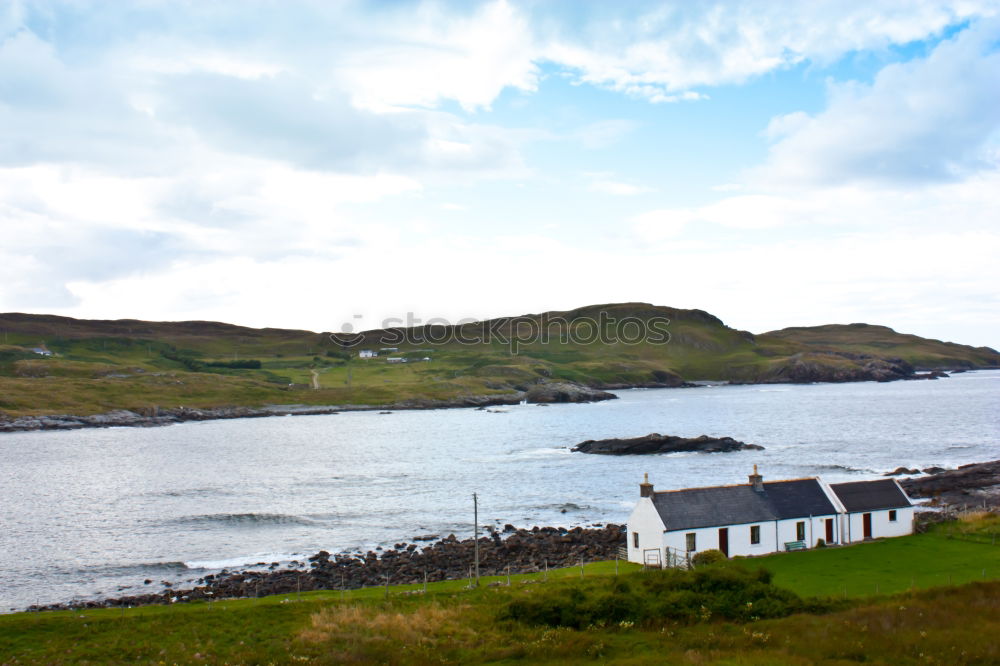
column 882, row 340
column 96, row 366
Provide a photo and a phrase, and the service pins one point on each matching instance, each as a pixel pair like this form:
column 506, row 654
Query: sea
column 90, row 514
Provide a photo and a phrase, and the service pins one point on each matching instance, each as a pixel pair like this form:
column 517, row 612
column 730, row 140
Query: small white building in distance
column 367, row 353
column 667, row 528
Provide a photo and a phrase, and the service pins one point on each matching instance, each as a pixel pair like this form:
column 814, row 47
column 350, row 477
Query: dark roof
column 870, row 495
column 738, row 505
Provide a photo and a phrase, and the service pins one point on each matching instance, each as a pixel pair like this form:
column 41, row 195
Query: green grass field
column 933, row 623
column 885, row 567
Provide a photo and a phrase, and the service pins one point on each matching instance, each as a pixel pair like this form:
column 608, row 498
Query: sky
column 311, row 164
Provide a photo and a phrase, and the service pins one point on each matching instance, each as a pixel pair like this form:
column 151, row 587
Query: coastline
column 551, row 393
column 511, row 550
column 514, row 551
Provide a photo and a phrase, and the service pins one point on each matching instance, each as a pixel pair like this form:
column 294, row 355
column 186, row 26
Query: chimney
column 645, row 488
column 756, row 480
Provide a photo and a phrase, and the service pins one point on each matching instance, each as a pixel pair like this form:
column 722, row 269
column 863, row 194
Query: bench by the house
column 795, row 545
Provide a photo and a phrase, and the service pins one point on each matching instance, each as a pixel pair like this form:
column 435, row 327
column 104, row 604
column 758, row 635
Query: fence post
column 616, row 564
column 425, row 581
column 581, row 568
column 546, row 578
column 508, row 575
column 387, row 586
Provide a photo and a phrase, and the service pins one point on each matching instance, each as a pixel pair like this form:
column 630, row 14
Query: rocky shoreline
column 512, row 551
column 545, row 393
column 557, row 392
column 972, row 485
column 657, row 443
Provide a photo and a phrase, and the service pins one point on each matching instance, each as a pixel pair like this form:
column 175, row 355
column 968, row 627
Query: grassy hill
column 98, row 365
column 923, row 353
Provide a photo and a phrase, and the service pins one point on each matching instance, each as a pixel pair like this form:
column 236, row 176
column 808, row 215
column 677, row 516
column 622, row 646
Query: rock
column 657, row 443
column 957, row 482
column 900, row 471
column 934, row 470
column 835, row 366
column 933, row 374
column 565, row 392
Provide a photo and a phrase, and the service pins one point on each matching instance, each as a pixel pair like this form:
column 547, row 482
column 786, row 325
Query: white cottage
column 757, row 518
column 873, row 509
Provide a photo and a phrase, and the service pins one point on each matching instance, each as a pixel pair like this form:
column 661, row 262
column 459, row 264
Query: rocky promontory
column 657, row 443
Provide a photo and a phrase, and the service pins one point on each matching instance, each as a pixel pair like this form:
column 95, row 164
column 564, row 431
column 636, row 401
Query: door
column 829, row 530
column 724, row 540
column 867, row 520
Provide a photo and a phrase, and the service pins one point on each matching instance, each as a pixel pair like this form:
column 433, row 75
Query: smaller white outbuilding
column 873, row 509
column 667, row 528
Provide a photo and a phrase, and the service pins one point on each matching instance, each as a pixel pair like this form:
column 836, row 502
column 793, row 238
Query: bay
column 92, row 513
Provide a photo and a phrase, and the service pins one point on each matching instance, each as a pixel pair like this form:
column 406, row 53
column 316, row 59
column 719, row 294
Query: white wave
column 541, row 453
column 243, row 561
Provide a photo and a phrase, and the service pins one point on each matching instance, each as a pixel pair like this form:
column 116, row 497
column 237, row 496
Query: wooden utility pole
column 475, row 517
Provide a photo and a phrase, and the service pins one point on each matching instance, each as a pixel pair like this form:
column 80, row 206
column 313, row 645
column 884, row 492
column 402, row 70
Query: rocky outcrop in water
column 971, row 484
column 523, row 551
column 565, row 392
column 657, row 443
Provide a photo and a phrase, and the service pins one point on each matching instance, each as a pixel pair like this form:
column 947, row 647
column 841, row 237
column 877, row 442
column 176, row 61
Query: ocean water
column 92, row 513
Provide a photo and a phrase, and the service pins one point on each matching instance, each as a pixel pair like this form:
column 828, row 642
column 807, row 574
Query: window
column 892, row 516
column 635, row 539
column 800, row 531
column 692, row 543
column 755, row 534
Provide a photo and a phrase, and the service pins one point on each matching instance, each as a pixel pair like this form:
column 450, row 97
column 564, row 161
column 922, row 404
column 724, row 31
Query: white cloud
column 662, row 52
column 971, row 205
column 617, row 189
column 421, row 58
column 930, row 119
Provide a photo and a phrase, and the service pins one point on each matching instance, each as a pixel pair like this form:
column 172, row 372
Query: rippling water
column 91, row 513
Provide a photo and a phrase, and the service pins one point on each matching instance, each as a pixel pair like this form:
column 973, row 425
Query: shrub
column 708, row 557
column 820, row 543
column 726, row 592
column 245, row 364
